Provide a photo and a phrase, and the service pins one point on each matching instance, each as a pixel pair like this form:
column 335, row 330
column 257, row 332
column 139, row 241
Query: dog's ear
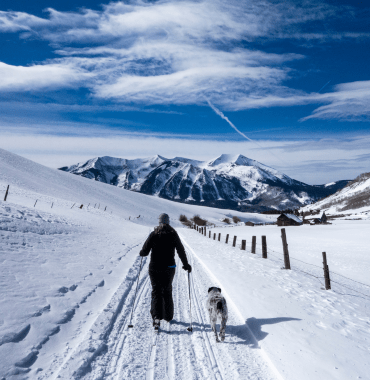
column 219, row 289
column 210, row 289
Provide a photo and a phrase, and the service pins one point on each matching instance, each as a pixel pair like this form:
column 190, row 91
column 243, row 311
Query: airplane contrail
column 219, row 113
column 324, row 86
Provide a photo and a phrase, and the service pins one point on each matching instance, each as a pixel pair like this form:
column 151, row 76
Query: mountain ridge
column 227, row 181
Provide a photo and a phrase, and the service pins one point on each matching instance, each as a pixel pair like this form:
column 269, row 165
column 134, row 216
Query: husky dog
column 217, row 308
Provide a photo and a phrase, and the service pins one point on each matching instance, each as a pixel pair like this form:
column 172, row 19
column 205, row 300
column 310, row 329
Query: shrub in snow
column 236, row 219
column 184, row 220
column 199, row 221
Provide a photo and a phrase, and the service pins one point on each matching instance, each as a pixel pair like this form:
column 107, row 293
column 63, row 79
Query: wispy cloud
column 179, row 52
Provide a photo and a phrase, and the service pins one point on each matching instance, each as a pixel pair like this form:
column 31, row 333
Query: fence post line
column 219, row 236
column 209, row 234
column 227, row 238
column 326, row 272
column 285, row 249
column 253, row 248
column 205, row 231
column 264, row 247
column 35, row 203
column 234, row 241
column 6, row 193
column 243, row 245
column 214, row 236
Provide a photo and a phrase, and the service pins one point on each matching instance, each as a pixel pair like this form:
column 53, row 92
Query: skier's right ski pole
column 190, row 328
column 133, row 306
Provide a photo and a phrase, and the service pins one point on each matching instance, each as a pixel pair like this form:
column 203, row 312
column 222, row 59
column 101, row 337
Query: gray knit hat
column 164, row 219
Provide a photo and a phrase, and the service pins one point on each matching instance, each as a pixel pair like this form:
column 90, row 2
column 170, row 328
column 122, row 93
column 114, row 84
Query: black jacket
column 163, row 241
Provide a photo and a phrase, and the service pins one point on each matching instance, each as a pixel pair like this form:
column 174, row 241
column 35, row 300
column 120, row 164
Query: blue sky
column 133, row 79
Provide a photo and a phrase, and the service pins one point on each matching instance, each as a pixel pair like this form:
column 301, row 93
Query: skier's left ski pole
column 190, row 328
column 133, row 306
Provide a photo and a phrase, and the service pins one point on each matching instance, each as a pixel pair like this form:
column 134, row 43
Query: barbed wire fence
column 353, row 287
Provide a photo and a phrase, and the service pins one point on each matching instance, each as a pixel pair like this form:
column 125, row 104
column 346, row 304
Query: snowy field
column 68, row 279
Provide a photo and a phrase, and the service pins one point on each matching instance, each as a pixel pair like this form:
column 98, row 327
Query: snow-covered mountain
column 231, row 181
column 354, row 197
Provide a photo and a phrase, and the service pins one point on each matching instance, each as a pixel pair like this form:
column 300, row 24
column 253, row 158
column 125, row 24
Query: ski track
column 175, row 353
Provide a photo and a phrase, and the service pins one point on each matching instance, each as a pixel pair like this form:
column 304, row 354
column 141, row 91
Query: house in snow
column 289, row 220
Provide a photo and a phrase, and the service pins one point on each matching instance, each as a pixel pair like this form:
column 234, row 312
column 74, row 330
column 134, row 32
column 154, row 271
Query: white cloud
column 349, row 101
column 39, row 76
column 181, row 52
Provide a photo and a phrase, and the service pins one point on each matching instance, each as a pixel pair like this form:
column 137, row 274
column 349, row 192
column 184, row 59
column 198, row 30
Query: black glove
column 187, row 267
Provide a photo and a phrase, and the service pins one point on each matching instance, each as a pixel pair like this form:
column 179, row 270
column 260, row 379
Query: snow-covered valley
column 68, row 278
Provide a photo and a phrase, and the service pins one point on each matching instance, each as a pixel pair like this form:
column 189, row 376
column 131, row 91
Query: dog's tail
column 219, row 306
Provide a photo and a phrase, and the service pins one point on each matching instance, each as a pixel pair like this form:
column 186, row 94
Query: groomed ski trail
column 175, row 353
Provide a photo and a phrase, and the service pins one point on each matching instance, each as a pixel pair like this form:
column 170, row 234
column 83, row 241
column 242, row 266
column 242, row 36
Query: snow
column 68, row 279
column 330, row 184
column 307, row 332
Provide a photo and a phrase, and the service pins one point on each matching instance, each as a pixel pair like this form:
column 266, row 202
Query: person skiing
column 162, row 242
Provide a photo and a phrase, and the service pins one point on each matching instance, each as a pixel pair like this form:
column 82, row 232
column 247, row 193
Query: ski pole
column 133, row 306
column 190, row 328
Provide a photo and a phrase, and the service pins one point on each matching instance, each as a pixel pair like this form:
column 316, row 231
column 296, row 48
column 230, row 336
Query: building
column 251, row 224
column 324, row 218
column 289, row 220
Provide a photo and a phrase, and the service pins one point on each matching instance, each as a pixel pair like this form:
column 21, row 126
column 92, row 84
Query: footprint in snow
column 15, row 337
column 67, row 316
column 28, row 360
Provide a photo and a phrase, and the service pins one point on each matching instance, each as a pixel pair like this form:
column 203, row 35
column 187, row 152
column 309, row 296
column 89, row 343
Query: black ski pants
column 162, row 302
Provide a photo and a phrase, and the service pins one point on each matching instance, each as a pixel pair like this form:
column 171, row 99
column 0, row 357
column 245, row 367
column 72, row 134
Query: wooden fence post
column 205, row 231
column 81, row 207
column 234, row 241
column 219, row 236
column 326, row 272
column 285, row 249
column 227, row 238
column 105, row 208
column 73, row 205
column 243, row 245
column 209, row 234
column 253, row 248
column 52, row 205
column 95, row 205
column 264, row 247
column 214, row 236
column 99, row 206
column 6, row 193
column 35, row 203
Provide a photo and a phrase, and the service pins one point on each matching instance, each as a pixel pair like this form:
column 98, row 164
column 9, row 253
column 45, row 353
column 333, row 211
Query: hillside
column 354, row 198
column 229, row 181
column 34, row 181
column 69, row 275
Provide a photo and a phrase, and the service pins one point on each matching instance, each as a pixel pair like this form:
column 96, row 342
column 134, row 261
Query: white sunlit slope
column 307, row 332
column 33, row 181
column 353, row 199
column 68, row 279
column 67, row 271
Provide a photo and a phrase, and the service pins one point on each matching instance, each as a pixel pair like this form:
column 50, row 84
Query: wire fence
column 353, row 287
